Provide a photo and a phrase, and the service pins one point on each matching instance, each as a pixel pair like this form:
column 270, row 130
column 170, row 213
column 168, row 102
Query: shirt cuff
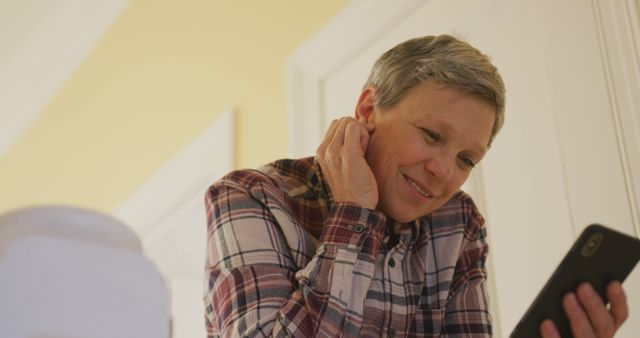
column 355, row 227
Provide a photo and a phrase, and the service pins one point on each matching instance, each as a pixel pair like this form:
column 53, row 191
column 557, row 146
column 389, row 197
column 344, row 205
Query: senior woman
column 372, row 236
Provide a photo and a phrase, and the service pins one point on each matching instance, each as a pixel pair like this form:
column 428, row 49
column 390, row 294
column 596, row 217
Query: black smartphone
column 599, row 256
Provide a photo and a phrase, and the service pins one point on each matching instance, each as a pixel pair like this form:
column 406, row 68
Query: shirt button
column 359, row 228
column 392, row 262
column 391, row 333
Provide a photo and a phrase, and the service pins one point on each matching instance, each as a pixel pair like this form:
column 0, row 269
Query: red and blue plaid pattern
column 283, row 259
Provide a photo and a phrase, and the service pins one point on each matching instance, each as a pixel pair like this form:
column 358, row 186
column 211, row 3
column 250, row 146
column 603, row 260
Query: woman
column 372, row 236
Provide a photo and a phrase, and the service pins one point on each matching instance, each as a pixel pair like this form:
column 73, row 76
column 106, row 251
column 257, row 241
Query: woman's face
column 423, row 148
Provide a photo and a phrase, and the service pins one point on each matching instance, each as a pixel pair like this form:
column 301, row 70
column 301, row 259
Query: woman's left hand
column 588, row 314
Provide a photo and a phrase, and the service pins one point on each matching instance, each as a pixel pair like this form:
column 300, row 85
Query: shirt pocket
column 428, row 322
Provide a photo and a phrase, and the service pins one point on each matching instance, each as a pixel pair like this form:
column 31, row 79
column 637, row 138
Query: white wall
column 566, row 156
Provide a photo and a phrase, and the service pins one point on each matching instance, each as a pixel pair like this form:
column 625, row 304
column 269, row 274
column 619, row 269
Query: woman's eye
column 431, row 135
column 469, row 163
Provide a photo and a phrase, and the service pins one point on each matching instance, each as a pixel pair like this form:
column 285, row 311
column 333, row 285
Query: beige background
column 158, row 76
column 162, row 74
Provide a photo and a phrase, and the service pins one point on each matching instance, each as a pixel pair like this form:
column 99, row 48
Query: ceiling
column 41, row 43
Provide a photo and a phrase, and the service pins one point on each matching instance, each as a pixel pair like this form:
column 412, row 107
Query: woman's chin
column 398, row 214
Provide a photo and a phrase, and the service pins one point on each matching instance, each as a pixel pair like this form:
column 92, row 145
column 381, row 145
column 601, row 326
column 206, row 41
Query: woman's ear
column 365, row 106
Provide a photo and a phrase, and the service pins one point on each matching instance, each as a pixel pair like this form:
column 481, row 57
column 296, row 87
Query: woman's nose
column 440, row 168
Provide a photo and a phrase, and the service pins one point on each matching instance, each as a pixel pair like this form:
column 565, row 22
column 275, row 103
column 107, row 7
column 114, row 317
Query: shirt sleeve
column 467, row 311
column 254, row 287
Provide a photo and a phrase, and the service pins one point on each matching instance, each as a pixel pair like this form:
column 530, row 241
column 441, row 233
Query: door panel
column 556, row 166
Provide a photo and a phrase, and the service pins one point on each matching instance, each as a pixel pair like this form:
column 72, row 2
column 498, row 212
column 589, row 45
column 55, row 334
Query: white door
column 568, row 154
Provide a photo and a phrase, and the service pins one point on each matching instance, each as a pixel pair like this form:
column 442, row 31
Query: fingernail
column 571, row 299
column 617, row 287
column 585, row 289
column 547, row 328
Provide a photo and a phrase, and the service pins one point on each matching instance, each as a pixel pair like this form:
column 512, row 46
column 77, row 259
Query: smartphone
column 599, row 256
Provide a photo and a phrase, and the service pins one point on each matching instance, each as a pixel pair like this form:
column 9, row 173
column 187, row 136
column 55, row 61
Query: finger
column 619, row 308
column 548, row 329
column 328, row 136
column 601, row 320
column 580, row 325
column 321, row 152
column 327, row 151
column 338, row 137
column 332, row 128
column 354, row 137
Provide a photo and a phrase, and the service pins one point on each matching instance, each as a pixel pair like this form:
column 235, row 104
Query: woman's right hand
column 341, row 156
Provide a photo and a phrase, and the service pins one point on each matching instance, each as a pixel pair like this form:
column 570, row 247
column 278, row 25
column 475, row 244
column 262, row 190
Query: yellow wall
column 158, row 77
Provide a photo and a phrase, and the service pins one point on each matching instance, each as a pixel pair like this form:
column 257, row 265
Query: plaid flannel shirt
column 283, row 259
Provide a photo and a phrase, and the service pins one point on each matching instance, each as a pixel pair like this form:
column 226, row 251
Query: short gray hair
column 440, row 59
